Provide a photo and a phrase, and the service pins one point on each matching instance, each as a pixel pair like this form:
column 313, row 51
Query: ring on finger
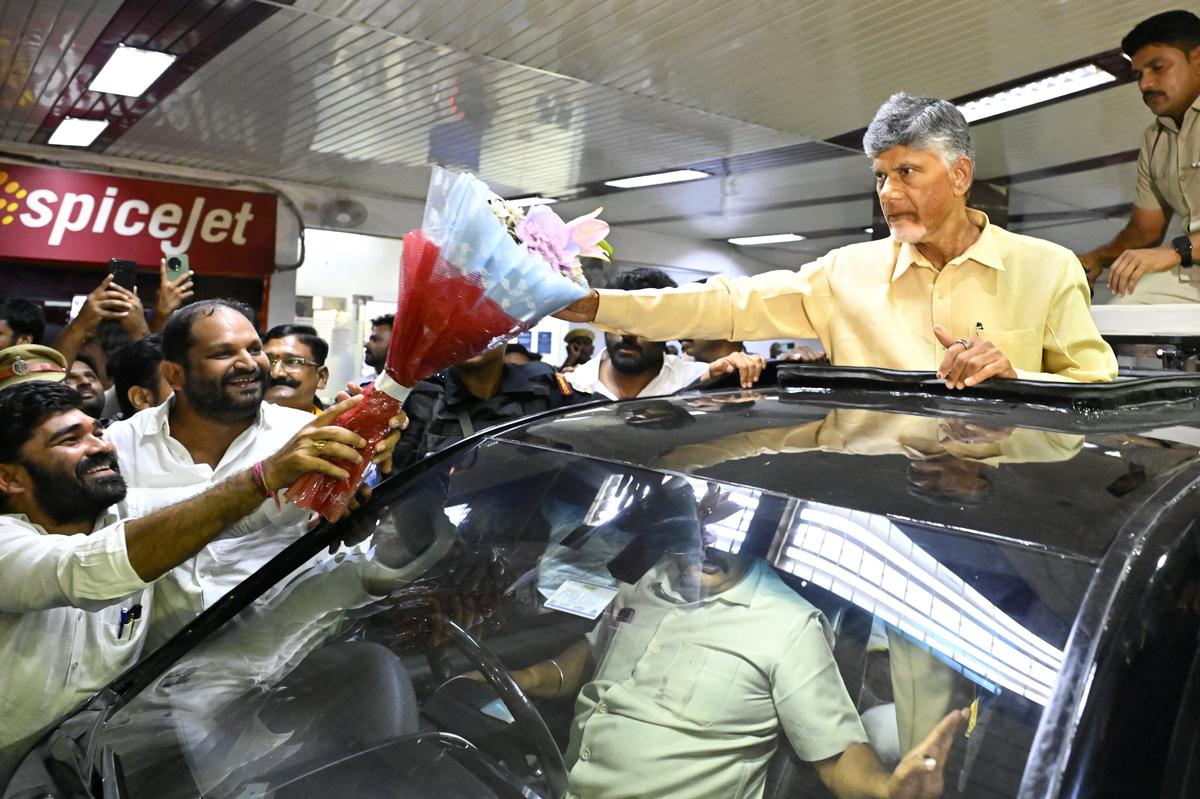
column 319, row 444
column 966, row 345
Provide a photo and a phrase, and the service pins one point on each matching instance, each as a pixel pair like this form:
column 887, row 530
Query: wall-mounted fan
column 343, row 214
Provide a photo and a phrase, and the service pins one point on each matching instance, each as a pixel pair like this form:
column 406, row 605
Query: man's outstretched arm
column 160, row 541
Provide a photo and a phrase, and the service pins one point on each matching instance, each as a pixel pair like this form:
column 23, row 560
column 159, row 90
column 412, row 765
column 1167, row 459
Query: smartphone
column 124, row 272
column 177, row 267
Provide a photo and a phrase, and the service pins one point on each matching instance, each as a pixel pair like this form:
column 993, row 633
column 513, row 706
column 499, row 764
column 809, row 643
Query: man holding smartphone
column 109, row 300
column 174, row 289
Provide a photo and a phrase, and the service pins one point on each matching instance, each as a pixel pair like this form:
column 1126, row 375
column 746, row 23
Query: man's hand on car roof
column 749, row 367
column 969, row 362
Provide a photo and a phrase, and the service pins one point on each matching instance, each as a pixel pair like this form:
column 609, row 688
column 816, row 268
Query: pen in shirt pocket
column 129, row 617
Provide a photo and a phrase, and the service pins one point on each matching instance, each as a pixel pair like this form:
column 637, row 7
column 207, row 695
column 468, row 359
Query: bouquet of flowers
column 477, row 272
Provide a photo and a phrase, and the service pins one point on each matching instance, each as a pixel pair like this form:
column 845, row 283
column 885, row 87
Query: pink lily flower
column 586, row 233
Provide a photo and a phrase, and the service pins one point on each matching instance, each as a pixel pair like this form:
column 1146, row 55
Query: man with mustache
column 215, row 425
column 83, row 378
column 78, row 553
column 1164, row 52
column 635, row 366
column 947, row 290
column 297, row 357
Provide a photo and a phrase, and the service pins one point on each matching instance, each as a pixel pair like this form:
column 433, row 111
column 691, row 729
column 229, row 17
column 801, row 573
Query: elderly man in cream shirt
column 948, row 291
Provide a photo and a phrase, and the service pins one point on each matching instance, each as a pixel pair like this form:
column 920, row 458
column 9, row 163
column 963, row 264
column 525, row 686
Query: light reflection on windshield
column 866, row 559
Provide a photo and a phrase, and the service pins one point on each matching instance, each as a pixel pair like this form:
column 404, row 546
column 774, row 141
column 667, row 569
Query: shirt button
column 628, row 683
column 677, row 612
column 601, row 708
column 585, row 753
column 652, row 649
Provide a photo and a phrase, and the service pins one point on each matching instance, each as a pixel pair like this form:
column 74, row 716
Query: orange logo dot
column 12, row 187
column 6, row 220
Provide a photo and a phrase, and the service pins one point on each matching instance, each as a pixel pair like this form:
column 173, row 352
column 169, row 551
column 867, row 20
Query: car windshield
column 671, row 634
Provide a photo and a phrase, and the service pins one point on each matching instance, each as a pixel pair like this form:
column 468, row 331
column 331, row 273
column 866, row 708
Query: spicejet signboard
column 49, row 214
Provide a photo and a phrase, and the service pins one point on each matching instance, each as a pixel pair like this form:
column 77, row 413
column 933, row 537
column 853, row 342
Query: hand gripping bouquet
column 478, row 272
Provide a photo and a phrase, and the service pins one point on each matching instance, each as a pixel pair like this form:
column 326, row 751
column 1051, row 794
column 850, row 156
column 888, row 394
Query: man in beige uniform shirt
column 1164, row 51
column 692, row 673
column 947, row 291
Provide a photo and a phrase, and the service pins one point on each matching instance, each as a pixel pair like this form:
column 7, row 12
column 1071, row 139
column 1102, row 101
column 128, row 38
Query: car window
column 670, row 635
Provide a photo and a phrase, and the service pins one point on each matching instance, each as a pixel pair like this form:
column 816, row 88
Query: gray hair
column 924, row 122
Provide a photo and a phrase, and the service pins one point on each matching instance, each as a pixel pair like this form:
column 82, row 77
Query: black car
column 692, row 591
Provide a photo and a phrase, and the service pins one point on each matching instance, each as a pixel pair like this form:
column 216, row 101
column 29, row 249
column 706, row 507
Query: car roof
column 1069, row 467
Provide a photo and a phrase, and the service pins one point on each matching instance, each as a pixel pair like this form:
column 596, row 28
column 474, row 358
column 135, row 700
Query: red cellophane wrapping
column 442, row 318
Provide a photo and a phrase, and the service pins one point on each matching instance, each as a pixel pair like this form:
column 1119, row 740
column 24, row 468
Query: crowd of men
column 150, row 450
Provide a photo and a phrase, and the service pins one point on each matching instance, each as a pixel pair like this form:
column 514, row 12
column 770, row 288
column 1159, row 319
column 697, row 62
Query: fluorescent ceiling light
column 525, row 202
column 1038, row 91
column 775, row 238
column 130, row 71
column 72, row 132
column 658, row 179
column 868, row 230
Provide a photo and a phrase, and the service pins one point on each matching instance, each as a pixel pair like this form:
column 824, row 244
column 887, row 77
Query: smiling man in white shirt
column 216, row 424
column 76, row 562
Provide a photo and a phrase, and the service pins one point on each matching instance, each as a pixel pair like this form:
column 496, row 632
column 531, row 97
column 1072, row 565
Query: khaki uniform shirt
column 1168, row 178
column 1168, row 169
column 875, row 304
column 689, row 697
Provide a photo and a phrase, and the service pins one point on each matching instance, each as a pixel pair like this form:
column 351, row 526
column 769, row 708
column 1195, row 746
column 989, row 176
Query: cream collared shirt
column 61, row 600
column 875, row 304
column 163, row 472
column 689, row 696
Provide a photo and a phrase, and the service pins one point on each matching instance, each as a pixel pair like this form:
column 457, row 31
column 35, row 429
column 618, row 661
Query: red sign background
column 49, row 214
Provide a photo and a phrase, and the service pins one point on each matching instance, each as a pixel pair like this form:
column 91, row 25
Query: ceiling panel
column 556, row 96
column 1094, row 188
column 770, row 62
column 312, row 98
column 1091, row 126
column 42, row 45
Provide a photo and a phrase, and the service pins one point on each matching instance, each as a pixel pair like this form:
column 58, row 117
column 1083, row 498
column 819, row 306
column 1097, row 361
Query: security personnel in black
column 476, row 394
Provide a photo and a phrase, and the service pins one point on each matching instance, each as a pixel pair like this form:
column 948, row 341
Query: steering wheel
column 527, row 721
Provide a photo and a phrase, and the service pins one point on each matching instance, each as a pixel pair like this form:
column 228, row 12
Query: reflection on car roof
column 1057, row 460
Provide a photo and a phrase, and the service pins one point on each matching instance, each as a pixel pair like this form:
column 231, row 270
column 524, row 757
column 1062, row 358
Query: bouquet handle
column 330, row 497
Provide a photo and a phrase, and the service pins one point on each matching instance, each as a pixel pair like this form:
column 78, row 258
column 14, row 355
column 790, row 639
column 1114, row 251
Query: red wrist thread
column 260, row 480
